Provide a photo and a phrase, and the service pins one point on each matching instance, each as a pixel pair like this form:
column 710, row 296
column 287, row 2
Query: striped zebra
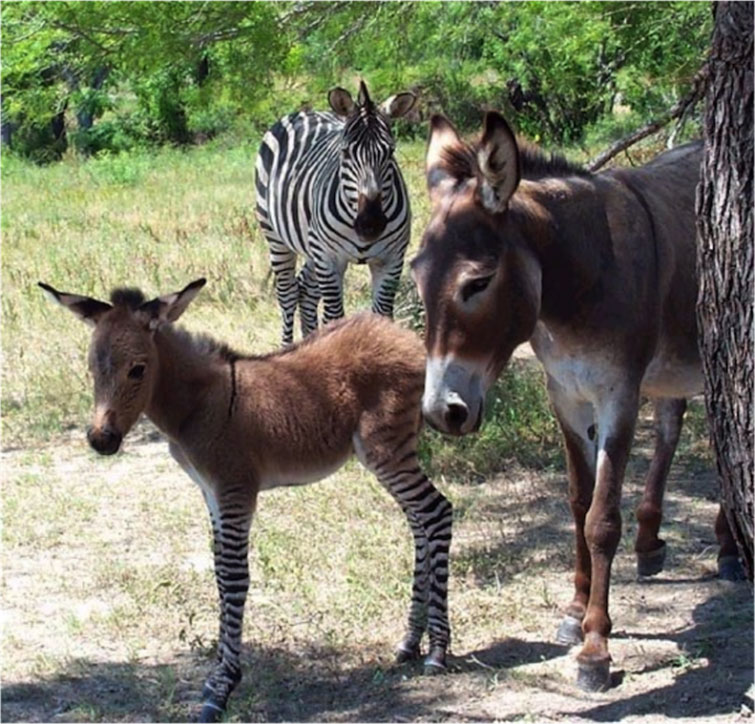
column 330, row 190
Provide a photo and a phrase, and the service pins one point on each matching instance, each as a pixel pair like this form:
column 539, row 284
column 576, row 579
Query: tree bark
column 725, row 264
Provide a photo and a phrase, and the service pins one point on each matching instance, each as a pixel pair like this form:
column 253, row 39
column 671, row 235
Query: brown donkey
column 598, row 272
column 240, row 424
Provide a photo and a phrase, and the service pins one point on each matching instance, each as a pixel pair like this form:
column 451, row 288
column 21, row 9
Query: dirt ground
column 682, row 645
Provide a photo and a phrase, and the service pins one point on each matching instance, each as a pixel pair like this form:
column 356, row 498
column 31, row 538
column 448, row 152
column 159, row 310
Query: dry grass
column 108, row 593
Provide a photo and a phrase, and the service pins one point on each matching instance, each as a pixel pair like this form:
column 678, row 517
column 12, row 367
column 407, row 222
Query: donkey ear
column 447, row 161
column 85, row 308
column 170, row 307
column 341, row 101
column 398, row 105
column 498, row 159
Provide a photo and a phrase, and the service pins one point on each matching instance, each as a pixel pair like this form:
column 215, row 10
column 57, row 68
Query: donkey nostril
column 456, row 415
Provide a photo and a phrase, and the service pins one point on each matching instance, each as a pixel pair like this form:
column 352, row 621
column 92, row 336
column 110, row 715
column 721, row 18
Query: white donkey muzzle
column 454, row 396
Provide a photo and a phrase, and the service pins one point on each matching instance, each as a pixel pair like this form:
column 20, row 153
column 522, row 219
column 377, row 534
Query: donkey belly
column 668, row 376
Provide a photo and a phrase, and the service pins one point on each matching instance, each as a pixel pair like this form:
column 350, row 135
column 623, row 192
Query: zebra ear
column 398, row 105
column 341, row 102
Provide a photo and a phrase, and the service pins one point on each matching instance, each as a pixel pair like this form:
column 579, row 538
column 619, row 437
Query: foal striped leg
column 231, row 522
column 430, row 516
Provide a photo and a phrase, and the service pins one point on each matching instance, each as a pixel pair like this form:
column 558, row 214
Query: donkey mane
column 461, row 162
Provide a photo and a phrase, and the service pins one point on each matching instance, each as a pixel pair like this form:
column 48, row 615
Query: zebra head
column 366, row 166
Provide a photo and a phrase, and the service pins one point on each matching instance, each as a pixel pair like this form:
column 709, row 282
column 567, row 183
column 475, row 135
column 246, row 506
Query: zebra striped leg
column 385, row 280
column 309, row 297
column 330, row 279
column 283, row 262
column 231, row 523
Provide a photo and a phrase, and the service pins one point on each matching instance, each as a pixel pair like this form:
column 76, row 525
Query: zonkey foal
column 240, row 424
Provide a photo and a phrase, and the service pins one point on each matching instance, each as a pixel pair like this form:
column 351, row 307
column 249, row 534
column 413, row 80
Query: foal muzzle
column 105, row 440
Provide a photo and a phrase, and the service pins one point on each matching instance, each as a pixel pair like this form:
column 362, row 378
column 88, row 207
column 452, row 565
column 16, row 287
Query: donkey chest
column 586, row 374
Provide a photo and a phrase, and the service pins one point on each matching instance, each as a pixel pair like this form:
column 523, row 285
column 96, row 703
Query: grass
column 108, row 584
column 157, row 221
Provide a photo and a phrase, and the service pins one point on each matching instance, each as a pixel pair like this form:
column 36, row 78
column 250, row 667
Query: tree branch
column 676, row 111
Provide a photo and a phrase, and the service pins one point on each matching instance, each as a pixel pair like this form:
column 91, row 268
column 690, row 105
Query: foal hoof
column 211, row 711
column 569, row 631
column 595, row 676
column 435, row 661
column 405, row 654
column 730, row 569
column 650, row 564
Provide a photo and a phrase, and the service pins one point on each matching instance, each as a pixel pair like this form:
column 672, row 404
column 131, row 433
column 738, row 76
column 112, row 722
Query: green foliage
column 115, row 75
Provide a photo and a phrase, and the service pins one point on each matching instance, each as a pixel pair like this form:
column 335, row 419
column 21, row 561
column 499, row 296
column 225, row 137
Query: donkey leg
column 580, row 438
column 231, row 522
column 616, row 421
column 309, row 297
column 650, row 549
column 729, row 566
column 283, row 262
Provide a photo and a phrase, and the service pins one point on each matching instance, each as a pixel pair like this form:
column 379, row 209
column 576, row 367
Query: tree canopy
column 110, row 75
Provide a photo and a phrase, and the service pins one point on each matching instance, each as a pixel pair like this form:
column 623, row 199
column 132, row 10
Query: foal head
column 366, row 153
column 478, row 279
column 122, row 354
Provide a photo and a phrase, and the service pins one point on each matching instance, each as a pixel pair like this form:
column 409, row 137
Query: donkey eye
column 136, row 372
column 475, row 286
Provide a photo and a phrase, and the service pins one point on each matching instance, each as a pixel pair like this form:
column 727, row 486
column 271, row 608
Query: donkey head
column 367, row 148
column 122, row 355
column 478, row 280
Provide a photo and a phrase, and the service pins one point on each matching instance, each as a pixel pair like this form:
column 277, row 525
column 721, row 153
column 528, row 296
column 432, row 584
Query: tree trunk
column 725, row 264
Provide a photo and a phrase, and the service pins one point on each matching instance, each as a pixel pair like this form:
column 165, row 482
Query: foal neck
column 190, row 372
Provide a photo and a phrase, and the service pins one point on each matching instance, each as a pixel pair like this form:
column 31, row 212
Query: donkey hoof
column 730, row 569
column 435, row 661
column 407, row 653
column 569, row 631
column 595, row 676
column 211, row 711
column 650, row 564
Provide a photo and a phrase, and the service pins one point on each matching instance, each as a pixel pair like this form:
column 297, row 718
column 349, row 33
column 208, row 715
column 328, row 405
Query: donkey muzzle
column 453, row 400
column 104, row 440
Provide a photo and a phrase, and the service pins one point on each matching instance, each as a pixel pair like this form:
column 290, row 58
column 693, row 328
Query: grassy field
column 109, row 603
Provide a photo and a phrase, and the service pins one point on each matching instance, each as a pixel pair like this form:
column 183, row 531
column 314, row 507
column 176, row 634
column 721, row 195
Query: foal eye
column 475, row 286
column 136, row 372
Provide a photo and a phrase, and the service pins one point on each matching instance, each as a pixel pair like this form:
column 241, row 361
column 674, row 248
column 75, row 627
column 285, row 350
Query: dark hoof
column 435, row 661
column 595, row 676
column 211, row 711
column 404, row 654
column 650, row 564
column 569, row 631
column 730, row 569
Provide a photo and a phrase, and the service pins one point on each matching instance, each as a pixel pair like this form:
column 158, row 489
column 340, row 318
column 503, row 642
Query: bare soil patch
column 109, row 609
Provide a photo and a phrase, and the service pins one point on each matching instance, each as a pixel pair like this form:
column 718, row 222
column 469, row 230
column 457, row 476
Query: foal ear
column 498, row 159
column 170, row 307
column 85, row 308
column 398, row 105
column 341, row 101
column 448, row 161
